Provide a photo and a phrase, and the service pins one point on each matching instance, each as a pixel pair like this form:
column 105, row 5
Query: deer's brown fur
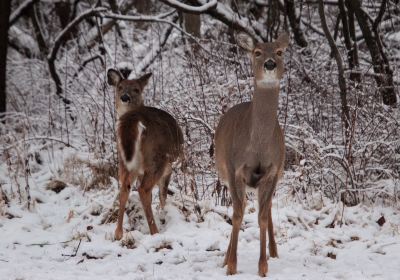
column 149, row 141
column 249, row 146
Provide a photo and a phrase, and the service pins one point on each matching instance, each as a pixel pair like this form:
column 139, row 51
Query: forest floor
column 62, row 237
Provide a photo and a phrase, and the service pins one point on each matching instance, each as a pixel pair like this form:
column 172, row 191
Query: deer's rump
column 160, row 134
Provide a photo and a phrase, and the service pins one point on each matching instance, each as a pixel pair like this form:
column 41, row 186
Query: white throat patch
column 270, row 79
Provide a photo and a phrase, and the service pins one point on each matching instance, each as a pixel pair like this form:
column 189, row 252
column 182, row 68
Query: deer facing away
column 149, row 141
column 249, row 146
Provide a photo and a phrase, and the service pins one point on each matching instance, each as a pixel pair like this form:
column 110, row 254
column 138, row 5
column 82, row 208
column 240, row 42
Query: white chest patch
column 135, row 164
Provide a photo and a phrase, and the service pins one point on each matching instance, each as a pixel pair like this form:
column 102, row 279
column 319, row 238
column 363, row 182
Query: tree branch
column 378, row 19
column 153, row 19
column 152, row 54
column 60, row 39
column 339, row 62
column 23, row 42
column 204, row 8
column 87, row 61
column 38, row 31
column 233, row 20
column 89, row 41
column 294, row 22
column 21, row 10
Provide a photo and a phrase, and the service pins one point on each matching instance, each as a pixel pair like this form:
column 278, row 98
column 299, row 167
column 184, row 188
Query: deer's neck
column 264, row 114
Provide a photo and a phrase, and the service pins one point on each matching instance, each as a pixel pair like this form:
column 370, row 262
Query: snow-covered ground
column 63, row 238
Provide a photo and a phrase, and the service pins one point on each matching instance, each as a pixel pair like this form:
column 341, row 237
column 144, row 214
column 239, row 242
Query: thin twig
column 75, row 252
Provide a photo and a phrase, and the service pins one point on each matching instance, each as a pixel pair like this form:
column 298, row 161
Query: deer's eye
column 257, row 53
column 119, row 88
column 279, row 52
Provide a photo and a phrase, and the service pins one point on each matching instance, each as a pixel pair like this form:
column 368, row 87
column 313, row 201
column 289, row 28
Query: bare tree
column 5, row 9
column 294, row 21
column 339, row 62
column 192, row 24
column 382, row 69
column 349, row 34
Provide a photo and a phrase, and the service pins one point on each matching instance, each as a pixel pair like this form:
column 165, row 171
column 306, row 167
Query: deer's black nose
column 269, row 64
column 125, row 98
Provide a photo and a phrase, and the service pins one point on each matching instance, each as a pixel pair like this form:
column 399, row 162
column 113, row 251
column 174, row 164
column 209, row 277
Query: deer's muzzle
column 269, row 65
column 125, row 98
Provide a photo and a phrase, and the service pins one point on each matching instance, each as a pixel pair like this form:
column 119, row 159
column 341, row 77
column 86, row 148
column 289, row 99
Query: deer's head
column 128, row 93
column 267, row 58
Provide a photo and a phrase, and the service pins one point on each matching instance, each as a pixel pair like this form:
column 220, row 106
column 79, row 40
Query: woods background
column 338, row 104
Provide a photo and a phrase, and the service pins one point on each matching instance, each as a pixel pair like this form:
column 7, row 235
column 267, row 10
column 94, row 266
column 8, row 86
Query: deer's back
column 151, row 133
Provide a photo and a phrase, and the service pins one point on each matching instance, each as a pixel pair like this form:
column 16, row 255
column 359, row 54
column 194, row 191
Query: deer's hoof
column 118, row 234
column 231, row 270
column 153, row 231
column 273, row 252
column 262, row 269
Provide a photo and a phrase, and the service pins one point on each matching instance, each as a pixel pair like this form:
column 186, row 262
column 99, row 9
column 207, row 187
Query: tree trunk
column 63, row 11
column 356, row 75
column 273, row 20
column 347, row 41
column 294, row 22
column 339, row 62
column 384, row 77
column 192, row 24
column 41, row 41
column 5, row 9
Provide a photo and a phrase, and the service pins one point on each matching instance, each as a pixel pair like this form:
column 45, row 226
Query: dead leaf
column 331, row 255
column 70, row 215
column 381, row 221
column 56, row 186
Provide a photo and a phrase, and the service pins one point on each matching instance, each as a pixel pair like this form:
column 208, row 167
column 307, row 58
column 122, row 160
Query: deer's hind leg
column 266, row 188
column 163, row 185
column 125, row 180
column 145, row 193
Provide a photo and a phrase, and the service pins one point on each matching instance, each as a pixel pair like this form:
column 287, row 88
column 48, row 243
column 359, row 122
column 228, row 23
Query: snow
column 62, row 235
column 320, row 240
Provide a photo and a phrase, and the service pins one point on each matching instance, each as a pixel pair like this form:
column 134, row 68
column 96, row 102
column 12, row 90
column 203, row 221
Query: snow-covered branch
column 60, row 39
column 151, row 55
column 204, row 8
column 158, row 19
column 224, row 14
column 20, row 10
column 93, row 35
column 23, row 42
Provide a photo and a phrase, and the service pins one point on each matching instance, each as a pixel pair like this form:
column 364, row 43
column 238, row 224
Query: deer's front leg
column 227, row 252
column 262, row 222
column 125, row 181
column 273, row 250
column 239, row 203
column 266, row 189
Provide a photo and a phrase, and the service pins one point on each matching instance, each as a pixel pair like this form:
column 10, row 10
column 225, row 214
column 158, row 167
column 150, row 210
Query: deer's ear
column 283, row 40
column 113, row 77
column 245, row 42
column 144, row 79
